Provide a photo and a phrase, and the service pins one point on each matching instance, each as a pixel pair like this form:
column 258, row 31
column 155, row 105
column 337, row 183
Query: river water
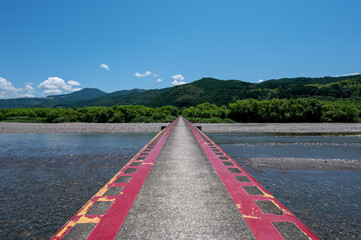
column 328, row 202
column 46, row 178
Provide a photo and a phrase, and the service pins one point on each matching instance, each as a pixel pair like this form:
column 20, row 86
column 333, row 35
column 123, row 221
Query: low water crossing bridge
column 181, row 185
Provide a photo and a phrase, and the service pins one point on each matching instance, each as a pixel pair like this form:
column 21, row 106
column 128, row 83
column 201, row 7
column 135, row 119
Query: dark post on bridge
column 182, row 185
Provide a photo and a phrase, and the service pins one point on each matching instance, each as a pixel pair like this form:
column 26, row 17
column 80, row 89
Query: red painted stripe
column 259, row 223
column 110, row 223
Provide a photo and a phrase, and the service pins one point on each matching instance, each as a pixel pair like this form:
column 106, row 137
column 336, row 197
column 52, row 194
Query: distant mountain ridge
column 66, row 99
column 219, row 92
column 83, row 94
column 52, row 100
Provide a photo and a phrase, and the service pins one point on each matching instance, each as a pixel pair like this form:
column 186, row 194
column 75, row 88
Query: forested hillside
column 218, row 92
column 223, row 92
column 133, row 97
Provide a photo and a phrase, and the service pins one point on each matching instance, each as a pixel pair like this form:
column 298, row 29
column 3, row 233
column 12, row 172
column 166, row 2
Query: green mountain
column 223, row 92
column 205, row 90
column 219, row 92
column 62, row 100
column 299, row 87
column 84, row 94
column 134, row 96
column 65, row 100
column 21, row 102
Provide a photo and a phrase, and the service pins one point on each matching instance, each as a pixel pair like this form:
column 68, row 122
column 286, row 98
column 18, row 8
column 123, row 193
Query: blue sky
column 49, row 47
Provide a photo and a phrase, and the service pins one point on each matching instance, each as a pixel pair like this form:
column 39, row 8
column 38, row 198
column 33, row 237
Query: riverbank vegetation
column 249, row 110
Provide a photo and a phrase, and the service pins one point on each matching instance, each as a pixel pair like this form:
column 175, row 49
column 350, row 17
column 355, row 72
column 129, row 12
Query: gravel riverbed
column 282, row 127
column 12, row 127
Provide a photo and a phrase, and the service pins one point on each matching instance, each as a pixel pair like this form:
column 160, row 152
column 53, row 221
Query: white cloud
column 260, row 81
column 159, row 80
column 104, row 66
column 73, row 83
column 155, row 75
column 56, row 85
column 176, row 82
column 7, row 90
column 52, row 91
column 147, row 73
column 29, row 87
column 350, row 74
column 347, row 74
column 178, row 79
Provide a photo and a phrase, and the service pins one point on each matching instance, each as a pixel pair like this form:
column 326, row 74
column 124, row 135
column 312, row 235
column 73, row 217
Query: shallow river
column 328, row 202
column 46, row 178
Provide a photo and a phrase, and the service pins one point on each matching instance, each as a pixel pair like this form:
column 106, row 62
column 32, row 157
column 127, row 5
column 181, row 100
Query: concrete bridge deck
column 183, row 186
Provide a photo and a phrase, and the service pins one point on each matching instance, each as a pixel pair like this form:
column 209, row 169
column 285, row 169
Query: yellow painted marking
column 239, row 206
column 85, row 219
column 148, row 163
column 102, row 191
column 65, row 228
column 253, row 210
column 265, row 194
column 305, row 234
column 85, row 208
column 105, row 199
column 284, row 210
column 247, row 216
